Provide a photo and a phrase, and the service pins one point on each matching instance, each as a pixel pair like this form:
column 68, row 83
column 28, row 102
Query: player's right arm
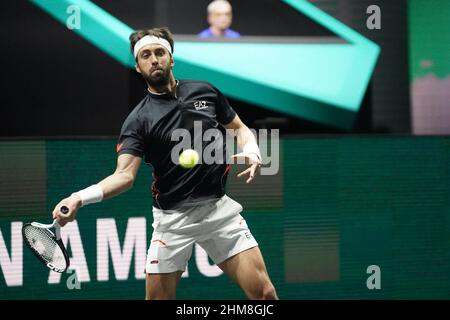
column 123, row 178
column 120, row 181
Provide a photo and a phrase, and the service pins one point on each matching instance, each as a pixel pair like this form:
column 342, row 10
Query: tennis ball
column 188, row 158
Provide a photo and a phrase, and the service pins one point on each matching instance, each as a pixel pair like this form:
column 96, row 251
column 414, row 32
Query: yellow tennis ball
column 188, row 158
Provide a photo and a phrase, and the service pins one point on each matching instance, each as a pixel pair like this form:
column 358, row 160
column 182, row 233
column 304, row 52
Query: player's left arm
column 247, row 142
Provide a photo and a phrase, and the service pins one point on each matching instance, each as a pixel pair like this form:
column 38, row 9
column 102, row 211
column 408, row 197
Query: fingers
column 252, row 159
column 244, row 172
column 61, row 222
column 251, row 171
column 56, row 212
column 64, row 218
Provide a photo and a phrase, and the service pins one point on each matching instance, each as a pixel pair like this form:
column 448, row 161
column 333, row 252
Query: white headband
column 151, row 40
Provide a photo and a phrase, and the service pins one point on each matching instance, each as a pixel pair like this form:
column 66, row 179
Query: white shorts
column 216, row 226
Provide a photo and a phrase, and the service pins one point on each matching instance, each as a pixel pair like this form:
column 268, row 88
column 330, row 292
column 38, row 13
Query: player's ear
column 138, row 70
column 172, row 62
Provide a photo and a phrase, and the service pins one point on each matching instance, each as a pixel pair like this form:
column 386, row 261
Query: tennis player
column 189, row 206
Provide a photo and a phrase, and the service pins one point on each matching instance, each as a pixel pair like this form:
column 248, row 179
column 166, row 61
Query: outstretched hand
column 251, row 159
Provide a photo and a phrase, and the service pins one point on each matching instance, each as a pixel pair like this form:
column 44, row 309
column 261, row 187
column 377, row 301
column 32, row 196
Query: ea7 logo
column 199, row 105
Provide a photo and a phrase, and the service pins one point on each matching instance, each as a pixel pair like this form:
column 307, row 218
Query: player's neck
column 169, row 88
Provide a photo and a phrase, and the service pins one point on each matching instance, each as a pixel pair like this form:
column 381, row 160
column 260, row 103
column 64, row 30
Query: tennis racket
column 47, row 245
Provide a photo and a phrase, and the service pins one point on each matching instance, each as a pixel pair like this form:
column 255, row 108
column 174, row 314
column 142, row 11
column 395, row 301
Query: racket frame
column 56, row 236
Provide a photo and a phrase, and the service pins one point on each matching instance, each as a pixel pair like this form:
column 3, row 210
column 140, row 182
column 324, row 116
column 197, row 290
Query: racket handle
column 64, row 209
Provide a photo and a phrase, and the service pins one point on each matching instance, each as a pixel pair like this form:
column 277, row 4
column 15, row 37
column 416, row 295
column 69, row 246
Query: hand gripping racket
column 46, row 245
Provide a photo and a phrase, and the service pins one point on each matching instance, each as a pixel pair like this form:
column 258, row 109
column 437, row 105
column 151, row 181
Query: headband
column 151, row 40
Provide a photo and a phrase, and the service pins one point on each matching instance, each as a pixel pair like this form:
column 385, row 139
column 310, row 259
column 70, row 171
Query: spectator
column 219, row 19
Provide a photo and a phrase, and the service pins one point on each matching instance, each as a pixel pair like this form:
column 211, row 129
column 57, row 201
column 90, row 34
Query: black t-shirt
column 147, row 132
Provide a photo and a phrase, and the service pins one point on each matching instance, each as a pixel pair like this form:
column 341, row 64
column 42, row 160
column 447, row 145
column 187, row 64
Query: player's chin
column 156, row 73
column 157, row 79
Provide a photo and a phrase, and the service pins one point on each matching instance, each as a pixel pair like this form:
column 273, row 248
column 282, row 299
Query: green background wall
column 429, row 24
column 429, row 37
column 337, row 206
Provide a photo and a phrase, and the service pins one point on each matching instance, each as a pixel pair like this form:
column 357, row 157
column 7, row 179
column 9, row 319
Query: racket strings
column 44, row 244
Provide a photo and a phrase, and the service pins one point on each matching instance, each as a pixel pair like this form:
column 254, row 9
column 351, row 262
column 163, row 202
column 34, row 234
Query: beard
column 158, row 79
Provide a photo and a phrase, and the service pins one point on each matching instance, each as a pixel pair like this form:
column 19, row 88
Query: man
column 219, row 20
column 189, row 206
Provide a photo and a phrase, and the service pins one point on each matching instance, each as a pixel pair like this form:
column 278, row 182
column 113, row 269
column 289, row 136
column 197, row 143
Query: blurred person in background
column 220, row 17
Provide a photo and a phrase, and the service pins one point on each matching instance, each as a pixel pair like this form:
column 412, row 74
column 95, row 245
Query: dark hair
column 163, row 32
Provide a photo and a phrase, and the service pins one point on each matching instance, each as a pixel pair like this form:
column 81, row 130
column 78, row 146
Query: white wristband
column 252, row 147
column 90, row 195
